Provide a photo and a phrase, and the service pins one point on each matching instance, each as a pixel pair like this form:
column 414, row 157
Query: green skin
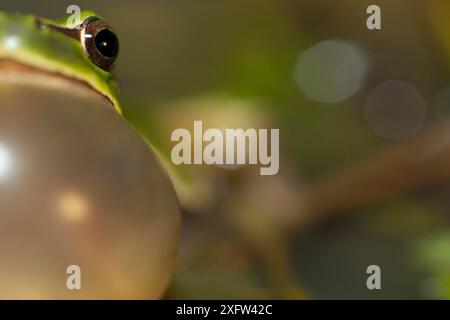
column 52, row 51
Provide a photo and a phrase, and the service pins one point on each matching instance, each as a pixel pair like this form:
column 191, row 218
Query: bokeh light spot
column 395, row 110
column 331, row 71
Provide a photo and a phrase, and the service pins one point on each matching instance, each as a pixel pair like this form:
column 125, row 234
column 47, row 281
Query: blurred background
column 364, row 131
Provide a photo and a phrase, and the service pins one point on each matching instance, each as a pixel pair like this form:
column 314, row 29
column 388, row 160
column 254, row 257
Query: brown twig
column 399, row 169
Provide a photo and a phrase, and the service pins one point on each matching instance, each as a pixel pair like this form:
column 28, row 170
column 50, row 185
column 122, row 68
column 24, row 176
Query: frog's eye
column 100, row 42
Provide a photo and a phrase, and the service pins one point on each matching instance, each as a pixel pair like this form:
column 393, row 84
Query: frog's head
column 81, row 54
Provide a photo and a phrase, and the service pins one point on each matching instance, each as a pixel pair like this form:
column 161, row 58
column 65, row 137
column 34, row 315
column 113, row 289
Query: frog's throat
column 14, row 71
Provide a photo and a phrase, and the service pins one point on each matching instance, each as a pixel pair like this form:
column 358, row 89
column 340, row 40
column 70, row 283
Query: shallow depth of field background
column 339, row 94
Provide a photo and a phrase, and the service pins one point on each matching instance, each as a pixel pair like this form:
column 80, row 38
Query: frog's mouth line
column 14, row 71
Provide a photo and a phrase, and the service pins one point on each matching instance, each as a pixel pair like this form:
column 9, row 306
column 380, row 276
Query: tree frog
column 87, row 211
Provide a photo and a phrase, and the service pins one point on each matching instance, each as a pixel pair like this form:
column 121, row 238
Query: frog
column 80, row 188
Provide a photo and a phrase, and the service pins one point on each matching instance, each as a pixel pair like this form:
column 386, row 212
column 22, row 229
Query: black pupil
column 107, row 43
